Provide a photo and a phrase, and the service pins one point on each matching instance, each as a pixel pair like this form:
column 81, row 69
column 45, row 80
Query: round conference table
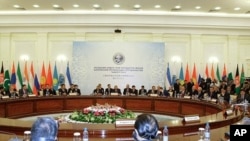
column 12, row 109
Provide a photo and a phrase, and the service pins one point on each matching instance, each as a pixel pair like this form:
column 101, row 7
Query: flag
column 36, row 83
column 218, row 73
column 43, row 76
column 237, row 81
column 2, row 74
column 13, row 76
column 34, row 89
column 169, row 76
column 212, row 72
column 19, row 75
column 194, row 77
column 55, row 78
column 26, row 77
column 242, row 75
column 224, row 73
column 230, row 76
column 49, row 80
column 187, row 78
column 68, row 74
column 6, row 80
column 206, row 72
column 181, row 76
column 199, row 79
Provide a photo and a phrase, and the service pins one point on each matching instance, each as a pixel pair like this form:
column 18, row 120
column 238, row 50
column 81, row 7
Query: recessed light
column 157, row 6
column 36, row 6
column 16, row 6
column 197, row 7
column 177, row 7
column 217, row 8
column 237, row 8
column 76, row 5
column 137, row 6
column 56, row 6
column 116, row 5
column 96, row 6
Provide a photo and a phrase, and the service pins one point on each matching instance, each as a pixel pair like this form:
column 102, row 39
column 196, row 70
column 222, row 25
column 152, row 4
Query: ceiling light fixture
column 116, row 5
column 36, row 6
column 137, row 6
column 217, row 8
column 237, row 8
column 197, row 7
column 16, row 6
column 157, row 6
column 56, row 6
column 76, row 5
column 96, row 6
column 177, row 7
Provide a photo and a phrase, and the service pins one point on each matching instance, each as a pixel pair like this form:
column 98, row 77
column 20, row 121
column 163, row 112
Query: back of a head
column 44, row 129
column 146, row 127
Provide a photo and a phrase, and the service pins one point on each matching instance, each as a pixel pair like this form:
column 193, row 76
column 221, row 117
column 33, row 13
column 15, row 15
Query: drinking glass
column 201, row 133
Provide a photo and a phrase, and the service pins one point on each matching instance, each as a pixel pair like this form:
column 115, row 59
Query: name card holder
column 187, row 97
column 229, row 112
column 5, row 97
column 213, row 100
column 191, row 118
column 73, row 94
column 114, row 94
column 154, row 95
column 125, row 122
column 32, row 95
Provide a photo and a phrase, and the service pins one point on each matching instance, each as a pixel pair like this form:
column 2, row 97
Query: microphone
column 14, row 138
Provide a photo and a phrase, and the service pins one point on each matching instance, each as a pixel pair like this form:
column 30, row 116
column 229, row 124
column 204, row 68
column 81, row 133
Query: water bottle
column 165, row 133
column 85, row 134
column 77, row 136
column 207, row 132
column 26, row 135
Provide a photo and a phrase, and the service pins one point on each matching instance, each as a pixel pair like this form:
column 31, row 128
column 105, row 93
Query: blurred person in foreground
column 146, row 128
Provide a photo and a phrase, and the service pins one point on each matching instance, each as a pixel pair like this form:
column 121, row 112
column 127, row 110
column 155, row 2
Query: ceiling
column 231, row 7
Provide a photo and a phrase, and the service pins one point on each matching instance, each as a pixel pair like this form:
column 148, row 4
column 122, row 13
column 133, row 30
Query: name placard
column 114, row 94
column 229, row 112
column 187, row 97
column 5, row 97
column 32, row 95
column 191, row 118
column 124, row 122
column 72, row 94
column 154, row 95
column 213, row 100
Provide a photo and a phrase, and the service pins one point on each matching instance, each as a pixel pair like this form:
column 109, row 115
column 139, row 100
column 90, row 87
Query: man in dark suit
column 70, row 90
column 152, row 90
column 62, row 90
column 243, row 96
column 134, row 91
column 76, row 90
column 127, row 90
column 224, row 95
column 47, row 91
column 116, row 90
column 23, row 92
column 108, row 90
column 142, row 91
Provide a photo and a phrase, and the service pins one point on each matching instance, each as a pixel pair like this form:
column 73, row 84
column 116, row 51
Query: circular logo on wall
column 118, row 58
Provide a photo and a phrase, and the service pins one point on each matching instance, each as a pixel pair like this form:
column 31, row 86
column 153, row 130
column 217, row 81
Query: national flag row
column 238, row 79
column 31, row 78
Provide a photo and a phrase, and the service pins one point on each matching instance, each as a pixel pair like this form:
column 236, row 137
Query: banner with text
column 117, row 63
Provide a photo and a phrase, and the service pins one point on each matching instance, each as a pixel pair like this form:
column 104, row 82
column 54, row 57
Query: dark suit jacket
column 152, row 91
column 62, row 91
column 116, row 91
column 78, row 91
column 144, row 91
column 125, row 91
column 108, row 91
column 98, row 91
column 242, row 99
column 47, row 92
column 22, row 92
column 135, row 91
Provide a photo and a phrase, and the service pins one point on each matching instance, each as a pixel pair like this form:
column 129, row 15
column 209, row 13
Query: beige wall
column 194, row 39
